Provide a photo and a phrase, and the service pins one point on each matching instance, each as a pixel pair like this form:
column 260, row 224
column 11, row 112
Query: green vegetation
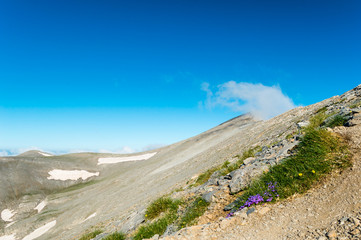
column 205, row 176
column 91, row 235
column 318, row 153
column 156, row 227
column 322, row 110
column 226, row 167
column 195, row 210
column 317, row 120
column 159, row 206
column 356, row 105
column 115, row 236
column 289, row 136
column 336, row 121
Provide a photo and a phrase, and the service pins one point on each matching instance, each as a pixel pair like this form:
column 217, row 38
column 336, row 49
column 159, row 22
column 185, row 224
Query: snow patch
column 8, row 237
column 40, row 206
column 40, row 231
column 64, row 175
column 111, row 160
column 8, row 225
column 91, row 216
column 7, row 214
column 45, row 154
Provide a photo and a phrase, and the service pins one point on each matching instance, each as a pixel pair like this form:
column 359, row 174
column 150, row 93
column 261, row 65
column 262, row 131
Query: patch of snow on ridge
column 91, row 216
column 40, row 206
column 111, row 160
column 45, row 154
column 7, row 214
column 64, row 175
column 8, row 237
column 40, row 231
column 8, row 225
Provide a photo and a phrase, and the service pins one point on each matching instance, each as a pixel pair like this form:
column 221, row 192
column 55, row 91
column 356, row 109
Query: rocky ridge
column 218, row 188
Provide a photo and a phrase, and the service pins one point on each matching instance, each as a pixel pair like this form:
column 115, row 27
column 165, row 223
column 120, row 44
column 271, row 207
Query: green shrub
column 115, row 236
column 160, row 205
column 91, row 235
column 317, row 120
column 203, row 178
column 195, row 210
column 169, row 207
column 338, row 120
column 355, row 105
column 157, row 227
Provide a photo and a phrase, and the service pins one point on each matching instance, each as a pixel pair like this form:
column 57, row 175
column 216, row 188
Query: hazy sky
column 131, row 75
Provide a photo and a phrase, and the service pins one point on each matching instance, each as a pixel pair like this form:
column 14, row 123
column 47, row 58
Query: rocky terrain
column 38, row 204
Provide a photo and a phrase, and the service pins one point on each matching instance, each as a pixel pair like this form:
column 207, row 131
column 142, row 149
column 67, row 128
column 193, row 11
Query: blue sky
column 104, row 75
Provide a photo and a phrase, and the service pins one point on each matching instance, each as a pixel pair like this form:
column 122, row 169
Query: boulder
column 303, row 124
column 241, row 178
column 208, row 196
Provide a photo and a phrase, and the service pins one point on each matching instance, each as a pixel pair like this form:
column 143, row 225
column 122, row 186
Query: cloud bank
column 262, row 101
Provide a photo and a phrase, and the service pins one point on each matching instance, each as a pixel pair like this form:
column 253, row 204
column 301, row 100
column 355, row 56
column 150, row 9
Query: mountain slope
column 115, row 195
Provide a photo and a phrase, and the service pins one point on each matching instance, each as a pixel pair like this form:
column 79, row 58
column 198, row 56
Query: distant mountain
column 35, row 153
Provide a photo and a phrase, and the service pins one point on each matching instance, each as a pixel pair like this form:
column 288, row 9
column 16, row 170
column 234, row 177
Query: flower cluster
column 267, row 196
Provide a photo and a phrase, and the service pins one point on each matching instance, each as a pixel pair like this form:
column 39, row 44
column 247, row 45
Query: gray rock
column 170, row 230
column 208, row 196
column 249, row 160
column 155, row 237
column 133, row 220
column 230, row 206
column 250, row 211
column 222, row 182
column 241, row 178
column 100, row 236
column 303, row 124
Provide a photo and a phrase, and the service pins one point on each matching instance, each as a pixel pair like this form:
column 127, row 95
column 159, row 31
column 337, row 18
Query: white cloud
column 122, row 150
column 263, row 102
column 4, row 153
column 152, row 147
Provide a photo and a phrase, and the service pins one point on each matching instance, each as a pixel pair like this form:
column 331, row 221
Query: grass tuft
column 336, row 121
column 226, row 167
column 91, row 235
column 195, row 210
column 169, row 207
column 115, row 236
column 159, row 206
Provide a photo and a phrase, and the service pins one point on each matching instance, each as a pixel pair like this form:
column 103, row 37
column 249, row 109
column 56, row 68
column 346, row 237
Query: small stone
column 322, row 238
column 343, row 220
column 356, row 221
column 355, row 232
column 332, row 234
column 225, row 224
column 155, row 237
column 251, row 210
column 241, row 214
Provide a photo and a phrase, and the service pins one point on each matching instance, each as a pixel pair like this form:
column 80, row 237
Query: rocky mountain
column 62, row 197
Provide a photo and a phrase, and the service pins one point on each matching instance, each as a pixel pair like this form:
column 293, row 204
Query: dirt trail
column 297, row 218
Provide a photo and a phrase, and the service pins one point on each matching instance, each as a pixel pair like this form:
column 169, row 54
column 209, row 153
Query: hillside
column 68, row 195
